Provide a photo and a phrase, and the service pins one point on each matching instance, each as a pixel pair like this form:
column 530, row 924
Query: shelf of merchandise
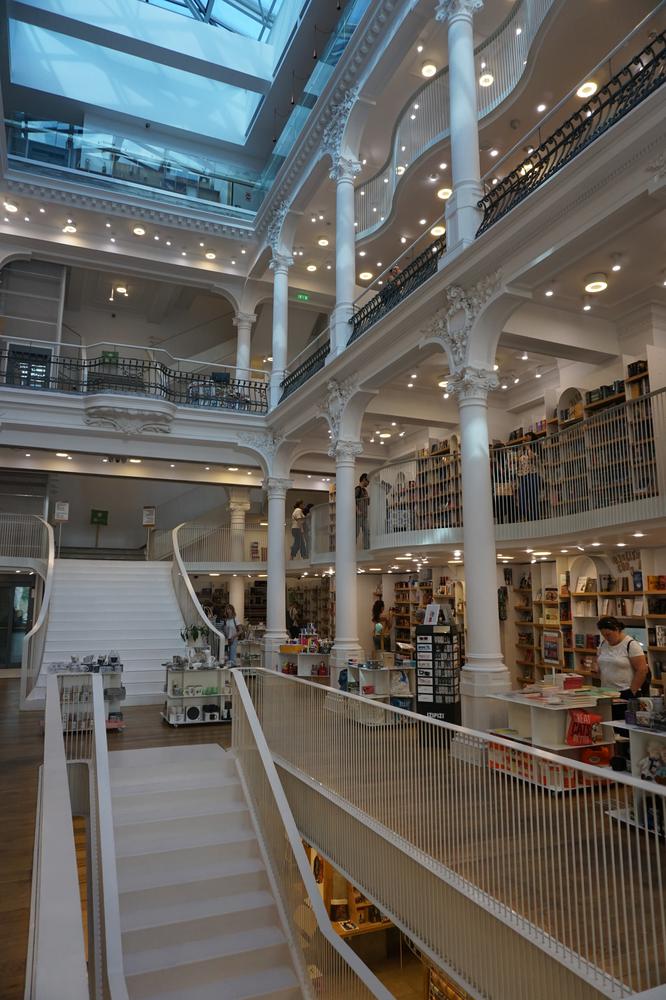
column 114, row 693
column 313, row 600
column 179, row 679
column 640, row 739
column 304, row 664
column 256, row 602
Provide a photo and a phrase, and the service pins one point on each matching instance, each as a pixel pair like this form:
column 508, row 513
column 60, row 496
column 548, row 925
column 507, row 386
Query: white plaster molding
column 344, row 169
column 112, row 414
column 266, row 443
column 447, row 9
column 346, row 450
column 461, row 304
column 473, row 383
column 276, row 487
column 334, row 129
column 241, row 319
column 280, row 262
column 333, row 407
column 657, row 167
column 127, row 208
column 274, row 229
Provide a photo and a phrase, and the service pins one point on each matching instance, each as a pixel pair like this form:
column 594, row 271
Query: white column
column 343, row 173
column 243, row 323
column 463, row 217
column 346, row 611
column 238, row 507
column 280, row 265
column 276, row 615
column 484, row 672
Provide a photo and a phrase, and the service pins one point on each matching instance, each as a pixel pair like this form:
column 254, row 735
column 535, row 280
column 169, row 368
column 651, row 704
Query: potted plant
column 195, row 635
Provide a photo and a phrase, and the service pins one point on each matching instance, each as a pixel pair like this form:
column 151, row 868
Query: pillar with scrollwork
column 343, row 172
column 276, row 609
column 280, row 265
column 463, row 215
column 346, row 611
column 484, row 672
column 243, row 323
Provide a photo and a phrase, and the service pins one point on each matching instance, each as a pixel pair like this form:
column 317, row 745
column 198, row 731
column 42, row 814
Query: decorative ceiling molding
column 101, row 202
column 128, row 420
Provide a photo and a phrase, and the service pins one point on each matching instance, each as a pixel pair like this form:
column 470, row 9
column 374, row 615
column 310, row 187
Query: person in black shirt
column 362, row 501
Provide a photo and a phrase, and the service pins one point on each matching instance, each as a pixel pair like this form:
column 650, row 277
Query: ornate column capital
column 473, row 383
column 239, row 506
column 280, row 262
column 332, row 409
column 345, row 450
column 264, row 442
column 274, row 230
column 276, row 487
column 243, row 319
column 333, row 132
column 344, row 169
column 446, row 10
column 452, row 325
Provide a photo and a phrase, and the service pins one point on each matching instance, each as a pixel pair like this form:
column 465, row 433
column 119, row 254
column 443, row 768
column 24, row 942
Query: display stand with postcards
column 197, row 689
column 76, row 697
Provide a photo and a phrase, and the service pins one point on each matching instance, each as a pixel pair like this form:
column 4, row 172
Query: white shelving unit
column 304, row 664
column 189, row 690
column 639, row 740
column 76, row 716
column 545, row 725
column 383, row 680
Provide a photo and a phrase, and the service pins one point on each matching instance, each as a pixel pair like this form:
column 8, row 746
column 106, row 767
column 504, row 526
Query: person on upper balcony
column 528, row 475
column 297, row 531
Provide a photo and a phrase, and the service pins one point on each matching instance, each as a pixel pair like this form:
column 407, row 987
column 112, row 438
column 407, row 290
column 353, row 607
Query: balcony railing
column 599, row 470
column 31, row 369
column 397, row 288
column 638, row 79
column 313, row 360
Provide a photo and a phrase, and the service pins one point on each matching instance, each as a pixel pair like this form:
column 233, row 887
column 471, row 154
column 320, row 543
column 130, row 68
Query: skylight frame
column 211, row 12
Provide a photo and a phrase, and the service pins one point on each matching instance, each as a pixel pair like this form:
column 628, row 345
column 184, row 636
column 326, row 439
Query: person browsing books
column 621, row 660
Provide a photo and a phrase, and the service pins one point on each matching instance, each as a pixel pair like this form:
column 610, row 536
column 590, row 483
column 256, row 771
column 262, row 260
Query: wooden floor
column 21, row 750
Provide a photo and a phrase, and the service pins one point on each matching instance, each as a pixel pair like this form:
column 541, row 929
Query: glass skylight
column 244, row 17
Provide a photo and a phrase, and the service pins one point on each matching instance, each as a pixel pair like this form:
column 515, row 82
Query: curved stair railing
column 188, row 602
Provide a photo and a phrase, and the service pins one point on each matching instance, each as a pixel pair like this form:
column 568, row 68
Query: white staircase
column 198, row 918
column 98, row 605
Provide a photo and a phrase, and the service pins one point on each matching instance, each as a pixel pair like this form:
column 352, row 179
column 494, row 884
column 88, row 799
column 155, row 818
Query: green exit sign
column 302, row 296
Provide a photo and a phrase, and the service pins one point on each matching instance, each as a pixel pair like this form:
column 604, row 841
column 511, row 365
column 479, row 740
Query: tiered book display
column 197, row 689
column 75, row 715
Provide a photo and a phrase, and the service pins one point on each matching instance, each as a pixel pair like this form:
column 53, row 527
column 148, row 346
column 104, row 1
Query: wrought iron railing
column 133, row 376
column 640, row 78
column 397, row 288
column 305, row 370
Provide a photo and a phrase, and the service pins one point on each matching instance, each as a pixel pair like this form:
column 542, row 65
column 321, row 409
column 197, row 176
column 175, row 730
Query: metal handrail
column 188, row 601
column 637, row 80
column 39, row 628
column 299, row 375
column 359, row 980
column 397, row 289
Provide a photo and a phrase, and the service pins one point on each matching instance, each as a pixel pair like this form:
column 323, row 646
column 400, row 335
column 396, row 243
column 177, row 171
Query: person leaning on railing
column 529, row 481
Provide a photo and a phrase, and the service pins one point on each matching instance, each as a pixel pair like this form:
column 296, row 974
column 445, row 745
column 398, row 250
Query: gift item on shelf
column 114, row 690
column 197, row 690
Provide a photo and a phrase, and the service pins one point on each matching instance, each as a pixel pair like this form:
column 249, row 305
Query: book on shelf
column 550, row 616
column 660, row 635
column 637, row 578
column 579, row 640
column 639, row 604
column 564, row 584
column 657, row 583
column 550, row 594
column 581, row 585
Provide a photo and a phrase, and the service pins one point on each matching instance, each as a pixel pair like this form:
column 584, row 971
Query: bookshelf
column 543, row 622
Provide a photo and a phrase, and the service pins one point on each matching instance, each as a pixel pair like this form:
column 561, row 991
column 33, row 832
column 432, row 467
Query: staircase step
column 209, row 896
column 170, row 835
column 237, row 856
column 206, row 754
column 201, row 920
column 202, row 981
column 260, row 948
column 164, row 781
column 169, row 804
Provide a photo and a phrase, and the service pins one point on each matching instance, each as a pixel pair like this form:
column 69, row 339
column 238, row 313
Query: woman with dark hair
column 381, row 627
column 621, row 660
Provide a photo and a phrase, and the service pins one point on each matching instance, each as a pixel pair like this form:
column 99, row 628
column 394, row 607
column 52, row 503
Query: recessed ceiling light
column 639, row 534
column 419, row 48
column 549, row 293
column 385, row 434
column 495, row 368
column 156, row 237
column 537, row 374
column 168, row 243
column 438, row 230
column 524, row 357
column 595, row 545
column 541, row 108
column 207, row 468
column 445, row 395
column 61, row 454
column 596, row 283
column 232, row 468
column 183, row 253
column 403, row 239
column 122, row 289
column 26, row 218
column 505, row 386
column 233, row 263
column 329, row 267
column 243, row 250
column 621, row 545
column 587, row 89
column 400, row 170
column 412, row 117
column 10, row 206
column 540, row 554
column 414, row 376
column 443, row 383
column 112, row 239
column 135, row 461
column 564, row 551
column 361, row 253
column 495, row 180
column 486, row 80
column 444, row 193
column 269, row 358
column 410, row 385
column 365, row 276
column 209, row 255
column 519, row 31
column 494, row 152
column 108, row 225
column 442, row 166
column 428, row 69
column 323, row 242
column 311, row 267
column 172, row 465
column 201, row 244
column 27, row 454
column 516, row 380
column 69, row 228
column 139, row 231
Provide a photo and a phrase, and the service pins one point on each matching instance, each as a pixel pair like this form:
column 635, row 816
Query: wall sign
column 149, row 517
column 61, row 512
column 99, row 517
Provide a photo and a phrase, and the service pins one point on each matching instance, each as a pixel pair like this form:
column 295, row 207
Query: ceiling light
column 639, row 534
column 311, row 267
column 596, row 283
column 361, row 253
column 243, row 250
column 233, row 263
column 541, row 108
column 516, row 380
column 537, row 374
column 122, row 290
column 621, row 545
column 595, row 545
column 183, row 253
column 445, row 395
column 323, row 242
column 529, row 551
column 495, row 180
column 209, row 255
column 26, row 218
column 112, row 239
column 494, row 152
column 69, row 228
column 549, row 293
column 542, row 554
column 524, row 357
column 10, row 206
column 207, row 468
column 384, row 434
column 313, row 218
column 587, row 89
column 587, row 305
column 438, row 230
column 365, row 276
column 172, row 465
column 443, row 383
column 564, row 551
column 495, row 368
column 428, row 69
column 519, row 31
column 444, row 193
column 232, row 468
column 329, row 267
column 413, row 376
column 412, row 117
column 156, row 237
column 135, row 461
column 61, row 454
column 400, row 170
column 505, row 386
column 486, row 80
column 442, row 166
column 379, row 263
column 269, row 358
column 139, row 231
column 403, row 239
column 201, row 244
column 410, row 385
column 617, row 262
column 321, row 217
column 393, row 423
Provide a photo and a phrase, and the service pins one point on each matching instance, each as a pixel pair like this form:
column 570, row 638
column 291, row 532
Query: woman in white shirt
column 230, row 629
column 621, row 660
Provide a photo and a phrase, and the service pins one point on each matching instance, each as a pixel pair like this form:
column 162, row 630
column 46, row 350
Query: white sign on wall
column 149, row 517
column 61, row 512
